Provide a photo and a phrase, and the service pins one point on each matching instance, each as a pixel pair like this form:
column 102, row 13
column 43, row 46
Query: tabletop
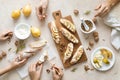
column 67, row 7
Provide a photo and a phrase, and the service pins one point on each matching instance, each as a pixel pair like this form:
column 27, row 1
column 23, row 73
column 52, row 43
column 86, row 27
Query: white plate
column 22, row 31
column 104, row 66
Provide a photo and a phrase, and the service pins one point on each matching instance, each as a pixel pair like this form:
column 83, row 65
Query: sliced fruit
column 106, row 61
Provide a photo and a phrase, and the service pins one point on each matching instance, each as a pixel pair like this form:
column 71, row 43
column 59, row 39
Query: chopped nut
column 91, row 43
column 86, row 67
column 96, row 39
column 95, row 34
column 76, row 12
column 3, row 54
column 88, row 49
column 39, row 62
column 48, row 70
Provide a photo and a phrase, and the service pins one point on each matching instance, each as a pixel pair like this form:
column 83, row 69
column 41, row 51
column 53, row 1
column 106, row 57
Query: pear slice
column 68, row 52
column 38, row 44
column 68, row 25
column 76, row 57
column 69, row 35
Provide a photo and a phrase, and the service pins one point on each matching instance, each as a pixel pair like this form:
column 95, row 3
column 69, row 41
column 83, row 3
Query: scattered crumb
column 48, row 70
column 103, row 39
column 74, row 69
column 87, row 68
column 87, row 12
column 9, row 49
column 3, row 54
column 16, row 43
column 88, row 49
column 91, row 43
column 76, row 12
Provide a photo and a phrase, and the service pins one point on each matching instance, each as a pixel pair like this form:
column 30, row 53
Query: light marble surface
column 67, row 7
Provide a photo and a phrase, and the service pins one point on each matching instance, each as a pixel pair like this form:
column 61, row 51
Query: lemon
column 35, row 32
column 27, row 10
column 15, row 14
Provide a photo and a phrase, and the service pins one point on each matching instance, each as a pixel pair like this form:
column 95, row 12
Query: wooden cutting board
column 64, row 42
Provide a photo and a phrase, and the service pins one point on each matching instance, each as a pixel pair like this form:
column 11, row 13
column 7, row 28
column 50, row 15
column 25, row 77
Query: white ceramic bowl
column 22, row 31
column 104, row 66
column 93, row 28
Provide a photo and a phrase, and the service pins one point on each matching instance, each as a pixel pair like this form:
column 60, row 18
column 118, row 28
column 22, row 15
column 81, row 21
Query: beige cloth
column 113, row 20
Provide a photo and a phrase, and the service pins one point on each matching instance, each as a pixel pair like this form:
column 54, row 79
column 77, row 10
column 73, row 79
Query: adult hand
column 102, row 9
column 6, row 35
column 35, row 71
column 41, row 10
column 15, row 64
column 57, row 73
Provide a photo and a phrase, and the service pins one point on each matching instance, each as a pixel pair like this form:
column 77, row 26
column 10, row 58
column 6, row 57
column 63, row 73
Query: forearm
column 5, row 70
column 113, row 2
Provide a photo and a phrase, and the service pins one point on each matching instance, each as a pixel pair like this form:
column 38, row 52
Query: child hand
column 15, row 64
column 35, row 71
column 102, row 9
column 57, row 73
column 6, row 35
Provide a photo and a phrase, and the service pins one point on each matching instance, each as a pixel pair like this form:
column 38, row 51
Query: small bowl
column 90, row 31
column 22, row 31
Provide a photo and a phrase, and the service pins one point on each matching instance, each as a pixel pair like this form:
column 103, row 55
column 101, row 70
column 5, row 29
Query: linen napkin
column 115, row 34
column 23, row 71
column 113, row 20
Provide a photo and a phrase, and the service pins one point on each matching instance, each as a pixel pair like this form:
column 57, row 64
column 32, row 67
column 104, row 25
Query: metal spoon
column 84, row 24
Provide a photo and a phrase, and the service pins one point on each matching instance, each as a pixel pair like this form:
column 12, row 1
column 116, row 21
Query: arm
column 41, row 10
column 15, row 64
column 57, row 73
column 35, row 71
column 6, row 35
column 5, row 70
column 104, row 8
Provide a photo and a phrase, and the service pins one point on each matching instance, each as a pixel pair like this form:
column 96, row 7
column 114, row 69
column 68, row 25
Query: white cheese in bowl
column 22, row 31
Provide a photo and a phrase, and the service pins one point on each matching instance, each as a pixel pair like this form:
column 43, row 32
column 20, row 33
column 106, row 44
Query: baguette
column 55, row 32
column 68, row 52
column 68, row 25
column 69, row 36
column 76, row 57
